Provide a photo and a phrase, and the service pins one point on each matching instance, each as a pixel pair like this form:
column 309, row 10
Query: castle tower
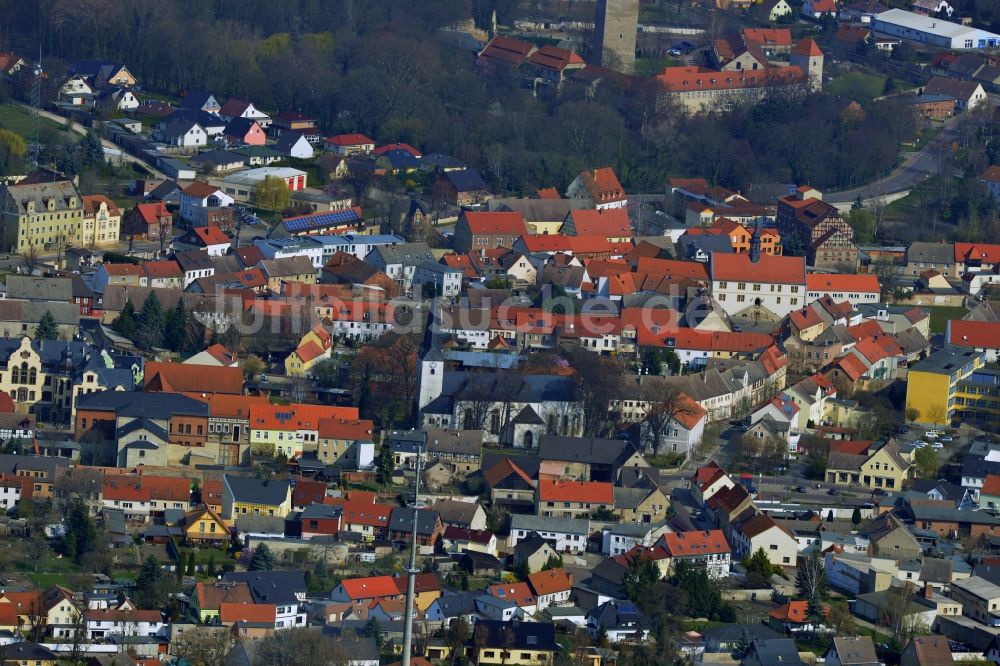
column 615, row 25
column 755, row 243
column 807, row 56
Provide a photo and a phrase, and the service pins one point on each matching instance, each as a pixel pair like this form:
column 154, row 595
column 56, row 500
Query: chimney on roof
column 928, row 591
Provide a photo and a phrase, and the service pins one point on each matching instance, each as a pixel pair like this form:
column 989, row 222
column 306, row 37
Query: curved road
column 914, row 168
column 80, row 129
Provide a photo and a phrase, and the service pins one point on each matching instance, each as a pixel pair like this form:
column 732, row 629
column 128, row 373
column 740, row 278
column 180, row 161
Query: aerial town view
column 499, row 332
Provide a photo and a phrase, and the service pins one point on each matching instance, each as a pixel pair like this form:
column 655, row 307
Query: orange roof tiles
column 689, row 412
column 230, row 613
column 547, row 193
column 807, row 46
column 507, row 49
column 352, row 429
column 609, row 223
column 92, row 203
column 296, row 416
column 211, row 236
column 695, row 543
column 518, row 593
column 843, row 283
column 555, row 58
column 371, row 587
column 852, row 366
column 496, row 222
column 200, row 190
column 116, row 270
column 793, row 611
column 309, row 351
column 804, row 318
column 144, row 488
column 179, row 378
column 552, row 581
column 768, row 36
column 587, row 492
column 366, row 513
column 978, row 334
column 770, row 269
column 163, row 269
column 855, row 447
column 501, row 470
column 983, row 252
column 603, row 185
column 349, row 140
column 691, row 78
column 694, row 270
column 991, row 485
column 223, row 405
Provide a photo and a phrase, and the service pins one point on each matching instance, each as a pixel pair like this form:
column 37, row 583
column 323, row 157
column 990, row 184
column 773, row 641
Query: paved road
column 81, row 130
column 915, row 168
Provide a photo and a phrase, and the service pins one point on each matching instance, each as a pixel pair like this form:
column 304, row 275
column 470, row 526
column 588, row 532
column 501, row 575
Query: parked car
column 919, row 444
column 880, row 491
column 675, row 53
column 831, row 491
column 800, row 489
column 946, row 438
column 937, row 445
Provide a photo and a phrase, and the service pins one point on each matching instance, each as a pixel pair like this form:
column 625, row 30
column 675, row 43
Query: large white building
column 744, row 287
column 933, row 31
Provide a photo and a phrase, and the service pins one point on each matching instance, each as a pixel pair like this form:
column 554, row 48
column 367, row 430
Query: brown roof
column 932, row 651
column 502, row 470
column 178, row 377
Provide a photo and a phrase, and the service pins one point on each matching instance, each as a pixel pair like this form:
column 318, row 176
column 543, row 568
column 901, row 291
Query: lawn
column 18, row 120
column 857, row 86
column 44, row 581
column 646, row 67
column 902, row 210
column 942, row 314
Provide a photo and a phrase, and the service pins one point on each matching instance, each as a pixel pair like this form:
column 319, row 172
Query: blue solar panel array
column 321, row 220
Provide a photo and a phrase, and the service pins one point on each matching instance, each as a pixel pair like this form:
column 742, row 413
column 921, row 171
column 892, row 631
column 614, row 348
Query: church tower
column 807, row 56
column 615, row 26
column 431, row 383
column 755, row 244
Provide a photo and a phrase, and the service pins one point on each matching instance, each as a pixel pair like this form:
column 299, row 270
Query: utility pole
column 36, row 105
column 411, row 573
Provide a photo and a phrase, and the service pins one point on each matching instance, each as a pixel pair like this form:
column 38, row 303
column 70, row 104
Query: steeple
column 755, row 243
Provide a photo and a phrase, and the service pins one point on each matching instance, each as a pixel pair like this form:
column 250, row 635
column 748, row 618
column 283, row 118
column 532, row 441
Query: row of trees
column 151, row 327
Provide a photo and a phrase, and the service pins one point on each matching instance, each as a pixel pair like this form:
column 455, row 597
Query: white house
column 447, row 281
column 201, row 195
column 10, row 493
column 843, row 287
column 772, row 284
column 285, row 248
column 620, row 538
column 568, row 535
column 819, row 8
column 933, row 31
column 183, row 133
column 125, row 622
column 294, row 145
column 761, row 532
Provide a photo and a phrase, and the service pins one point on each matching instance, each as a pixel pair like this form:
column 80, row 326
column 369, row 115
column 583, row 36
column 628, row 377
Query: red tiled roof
column 92, row 203
column 165, row 268
column 550, row 582
column 609, row 223
column 152, row 212
column 497, row 222
column 351, row 429
column 991, row 485
column 349, row 140
column 123, row 616
column 555, row 58
column 405, row 147
column 768, row 36
column 804, row 318
column 200, row 190
column 992, row 174
column 123, row 269
column 843, row 283
column 244, row 612
column 770, row 269
column 593, row 492
column 211, row 236
column 794, row 611
column 145, row 488
column 603, row 185
column 701, row 542
column 977, row 334
column 297, row 416
column 518, row 593
column 233, row 107
column 366, row 513
column 689, row 78
column 865, row 329
column 548, row 193
column 371, row 587
column 807, row 46
column 857, row 447
column 984, row 252
column 852, row 366
column 507, row 49
column 309, row 351
column 689, row 413
column 179, row 377
column 455, row 533
column 501, row 470
column 694, row 270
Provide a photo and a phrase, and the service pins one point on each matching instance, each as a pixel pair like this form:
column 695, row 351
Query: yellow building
column 932, row 385
column 885, row 467
column 313, row 349
column 102, row 221
column 514, row 644
column 205, row 525
column 247, row 495
column 42, row 216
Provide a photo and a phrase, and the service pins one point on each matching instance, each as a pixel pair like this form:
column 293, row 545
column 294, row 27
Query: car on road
column 946, row 438
column 880, row 491
column 800, row 489
column 675, row 53
column 831, row 491
column 919, row 444
column 937, row 445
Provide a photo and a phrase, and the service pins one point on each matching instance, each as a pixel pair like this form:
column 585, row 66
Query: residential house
column 350, row 144
column 461, row 187
column 572, row 499
column 130, row 622
column 775, row 651
column 815, row 228
column 513, row 644
column 599, row 186
column 980, row 599
column 551, row 587
column 760, row 531
column 852, row 651
column 702, row 548
column 294, row 145
column 929, row 651
column 477, row 231
column 891, row 539
column 566, row 535
column 967, row 94
column 878, row 466
column 101, row 222
column 181, row 132
column 247, row 495
column 148, row 222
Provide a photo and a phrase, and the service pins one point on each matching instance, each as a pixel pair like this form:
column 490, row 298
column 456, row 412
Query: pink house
column 245, row 131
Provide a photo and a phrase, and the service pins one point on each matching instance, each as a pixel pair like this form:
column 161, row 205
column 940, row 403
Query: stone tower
column 615, row 25
column 807, row 56
column 755, row 243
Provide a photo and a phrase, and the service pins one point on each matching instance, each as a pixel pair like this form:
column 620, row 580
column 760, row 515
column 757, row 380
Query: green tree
column 863, row 223
column 384, row 465
column 639, row 576
column 92, row 152
column 856, row 516
column 81, row 532
column 273, row 194
column 126, row 324
column 190, row 564
column 373, row 629
column 47, row 328
column 759, row 564
column 175, row 331
column 741, row 646
column 150, row 323
column 262, row 560
column 927, row 462
column 15, row 143
column 811, row 583
column 152, row 585
column 210, row 566
column 456, row 636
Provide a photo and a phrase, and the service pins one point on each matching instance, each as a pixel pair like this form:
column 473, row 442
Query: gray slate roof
column 257, row 491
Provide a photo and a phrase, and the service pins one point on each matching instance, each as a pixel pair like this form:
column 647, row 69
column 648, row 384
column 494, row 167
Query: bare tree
column 303, row 647
column 664, row 402
column 204, row 646
column 30, row 259
column 896, row 614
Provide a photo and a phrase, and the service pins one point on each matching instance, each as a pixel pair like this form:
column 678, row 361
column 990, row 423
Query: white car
column 930, row 434
column 936, row 433
column 946, row 438
column 919, row 444
column 937, row 445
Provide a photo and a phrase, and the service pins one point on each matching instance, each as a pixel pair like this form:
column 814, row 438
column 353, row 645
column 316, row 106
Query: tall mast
column 411, row 574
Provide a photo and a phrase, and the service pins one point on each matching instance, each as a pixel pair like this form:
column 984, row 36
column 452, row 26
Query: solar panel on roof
column 321, row 220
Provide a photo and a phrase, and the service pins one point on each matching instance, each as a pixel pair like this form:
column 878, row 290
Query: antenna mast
column 411, row 574
column 36, row 106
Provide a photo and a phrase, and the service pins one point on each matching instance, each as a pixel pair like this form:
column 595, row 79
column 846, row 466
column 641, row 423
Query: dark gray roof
column 321, row 511
column 729, row 633
column 195, row 260
column 777, row 651
column 466, row 180
column 454, row 604
column 217, row 157
column 401, row 519
column 938, row 253
column 239, row 126
column 516, row 635
column 287, row 141
column 257, row 491
column 688, row 246
column 942, row 514
column 591, row 450
column 271, row 587
column 155, row 405
column 143, row 423
column 442, row 161
column 27, row 652
column 31, row 288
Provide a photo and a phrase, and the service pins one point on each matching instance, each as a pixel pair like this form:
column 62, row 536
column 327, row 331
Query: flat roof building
column 933, row 31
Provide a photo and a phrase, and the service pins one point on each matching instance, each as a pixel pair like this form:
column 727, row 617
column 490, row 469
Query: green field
column 18, row 120
column 860, row 87
column 905, row 209
column 942, row 314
